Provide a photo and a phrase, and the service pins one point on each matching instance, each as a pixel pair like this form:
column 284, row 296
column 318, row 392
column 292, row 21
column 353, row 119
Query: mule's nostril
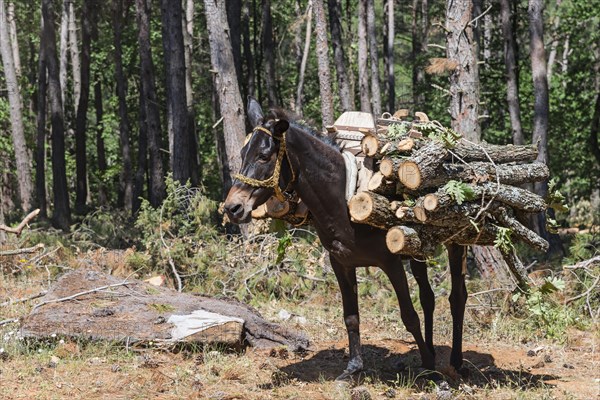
column 235, row 208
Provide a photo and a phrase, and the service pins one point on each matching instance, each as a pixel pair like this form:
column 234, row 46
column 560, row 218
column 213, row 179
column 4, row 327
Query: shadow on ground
column 402, row 368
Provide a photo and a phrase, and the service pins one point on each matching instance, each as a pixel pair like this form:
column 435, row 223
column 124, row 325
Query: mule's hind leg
column 426, row 297
column 397, row 276
column 346, row 278
column 458, row 300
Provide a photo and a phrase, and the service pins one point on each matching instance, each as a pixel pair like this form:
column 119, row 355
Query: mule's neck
column 320, row 182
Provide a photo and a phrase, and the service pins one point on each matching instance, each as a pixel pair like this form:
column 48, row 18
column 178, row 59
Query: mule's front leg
column 458, row 300
column 346, row 278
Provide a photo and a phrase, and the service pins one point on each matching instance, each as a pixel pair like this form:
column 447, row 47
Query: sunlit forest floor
column 544, row 345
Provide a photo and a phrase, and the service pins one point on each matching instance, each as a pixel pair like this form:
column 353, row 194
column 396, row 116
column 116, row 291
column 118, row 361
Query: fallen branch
column 17, row 231
column 9, row 321
column 584, row 264
column 43, row 303
column 26, row 250
column 23, row 300
column 584, row 294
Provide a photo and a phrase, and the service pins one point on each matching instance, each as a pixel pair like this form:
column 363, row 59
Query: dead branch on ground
column 19, row 228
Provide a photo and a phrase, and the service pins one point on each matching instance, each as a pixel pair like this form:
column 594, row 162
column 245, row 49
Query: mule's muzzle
column 238, row 205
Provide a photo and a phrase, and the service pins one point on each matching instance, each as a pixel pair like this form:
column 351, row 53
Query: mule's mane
column 303, row 125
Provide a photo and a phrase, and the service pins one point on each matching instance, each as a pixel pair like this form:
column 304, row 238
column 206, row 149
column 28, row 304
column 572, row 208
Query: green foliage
column 435, row 130
column 555, row 199
column 284, row 242
column 583, row 247
column 396, row 131
column 459, row 191
column 503, row 241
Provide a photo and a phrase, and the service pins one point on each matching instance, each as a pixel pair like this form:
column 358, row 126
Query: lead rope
column 273, row 181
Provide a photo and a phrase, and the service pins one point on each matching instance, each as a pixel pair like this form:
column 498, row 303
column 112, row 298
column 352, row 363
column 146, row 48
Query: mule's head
column 261, row 161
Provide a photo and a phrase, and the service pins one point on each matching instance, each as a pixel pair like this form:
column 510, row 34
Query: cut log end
column 406, row 144
column 369, row 145
column 402, row 240
column 409, row 175
column 386, row 167
column 361, row 207
column 430, row 202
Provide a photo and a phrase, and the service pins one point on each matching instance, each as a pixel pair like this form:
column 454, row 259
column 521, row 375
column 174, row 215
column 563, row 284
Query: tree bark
column 464, row 81
column 594, row 145
column 322, row 48
column 74, row 47
column 22, row 156
column 268, row 53
column 230, row 102
column 512, row 71
column 554, row 44
column 188, row 40
column 335, row 26
column 363, row 78
column 64, row 48
column 302, row 71
column 234, row 18
column 126, row 175
column 172, row 17
column 389, row 57
column 157, row 190
column 40, row 146
column 248, row 57
column 62, row 213
column 417, row 48
column 373, row 58
column 12, row 31
column 141, row 173
column 100, row 148
column 81, row 188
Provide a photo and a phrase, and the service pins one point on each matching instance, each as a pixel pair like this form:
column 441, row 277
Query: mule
column 282, row 155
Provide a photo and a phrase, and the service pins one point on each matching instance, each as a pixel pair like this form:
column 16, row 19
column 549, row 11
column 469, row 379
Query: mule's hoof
column 347, row 375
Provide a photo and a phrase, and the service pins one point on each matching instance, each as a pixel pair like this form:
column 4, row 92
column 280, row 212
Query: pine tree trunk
column 363, row 76
column 299, row 100
column 74, row 48
column 512, row 71
column 64, row 48
column 188, row 42
column 594, row 144
column 248, row 57
column 373, row 58
column 322, row 48
column 12, row 31
column 230, row 102
column 22, row 156
column 126, row 175
column 390, row 77
column 141, row 172
column 541, row 112
column 234, row 18
column 464, row 81
column 554, row 44
column 81, row 188
column 61, row 217
column 416, row 54
column 269, row 53
column 40, row 146
column 335, row 25
column 172, row 17
column 156, row 191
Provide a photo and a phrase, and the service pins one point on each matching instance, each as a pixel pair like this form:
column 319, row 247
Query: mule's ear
column 280, row 127
column 255, row 114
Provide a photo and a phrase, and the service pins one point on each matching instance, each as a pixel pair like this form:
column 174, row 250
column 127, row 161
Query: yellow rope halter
column 273, row 181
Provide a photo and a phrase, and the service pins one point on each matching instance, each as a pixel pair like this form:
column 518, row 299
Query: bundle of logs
column 431, row 187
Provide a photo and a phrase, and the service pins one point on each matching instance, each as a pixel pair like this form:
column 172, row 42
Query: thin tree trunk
column 322, row 48
column 345, row 94
column 157, row 189
column 269, row 53
column 81, row 188
column 418, row 77
column 248, row 57
column 62, row 212
column 226, row 86
column 374, row 58
column 389, row 57
column 554, row 44
column 541, row 111
column 299, row 100
column 12, row 29
column 126, row 177
column 40, row 147
column 595, row 128
column 74, row 47
column 100, row 148
column 22, row 156
column 141, row 173
column 188, row 35
column 172, row 17
column 464, row 80
column 363, row 77
column 64, row 48
column 512, row 71
column 234, row 18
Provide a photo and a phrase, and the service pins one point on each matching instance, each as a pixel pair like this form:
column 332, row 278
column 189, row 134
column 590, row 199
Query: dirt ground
column 502, row 364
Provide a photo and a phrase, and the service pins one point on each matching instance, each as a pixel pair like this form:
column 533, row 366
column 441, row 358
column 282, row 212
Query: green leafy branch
column 459, row 191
